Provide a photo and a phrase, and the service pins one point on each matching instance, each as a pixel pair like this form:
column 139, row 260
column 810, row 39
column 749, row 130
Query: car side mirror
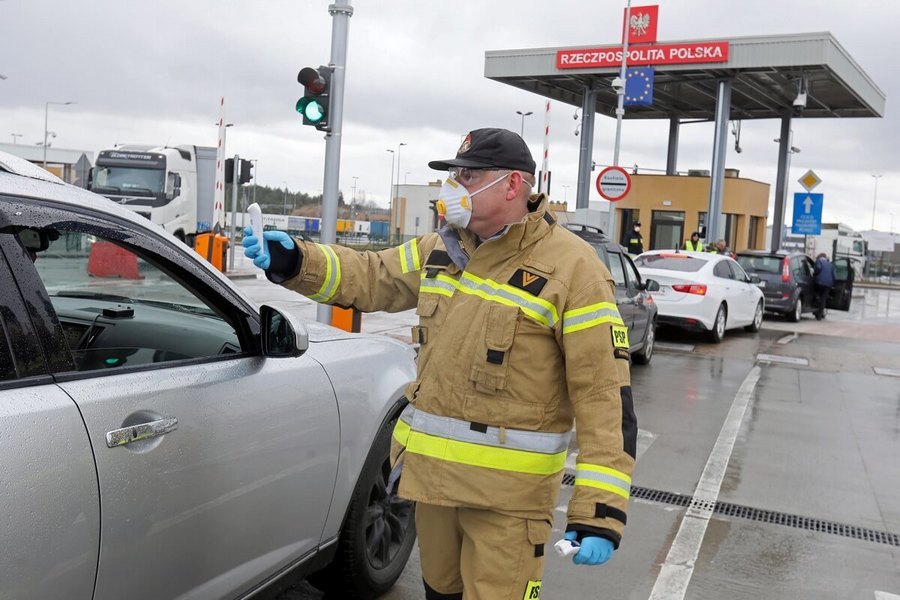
column 651, row 285
column 281, row 335
column 755, row 279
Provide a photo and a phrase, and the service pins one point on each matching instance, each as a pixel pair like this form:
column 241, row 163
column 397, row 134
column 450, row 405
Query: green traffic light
column 311, row 109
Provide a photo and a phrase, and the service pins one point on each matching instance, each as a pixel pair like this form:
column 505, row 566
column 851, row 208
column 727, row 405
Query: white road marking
column 789, row 338
column 885, row 596
column 677, row 570
column 885, row 371
column 788, row 360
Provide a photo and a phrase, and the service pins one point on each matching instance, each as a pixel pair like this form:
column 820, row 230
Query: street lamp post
column 46, row 113
column 353, row 199
column 14, row 136
column 391, row 199
column 393, row 218
column 284, row 203
column 522, row 129
column 565, row 187
column 404, row 176
column 875, row 199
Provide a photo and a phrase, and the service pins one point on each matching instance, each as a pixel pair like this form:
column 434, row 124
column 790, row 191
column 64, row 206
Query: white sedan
column 699, row 290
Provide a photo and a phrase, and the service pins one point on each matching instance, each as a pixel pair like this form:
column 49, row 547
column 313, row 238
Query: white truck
column 171, row 186
column 838, row 240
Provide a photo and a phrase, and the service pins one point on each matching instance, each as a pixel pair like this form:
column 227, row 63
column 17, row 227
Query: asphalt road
column 767, row 465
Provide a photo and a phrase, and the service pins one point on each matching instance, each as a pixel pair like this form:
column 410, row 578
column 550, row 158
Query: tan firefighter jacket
column 512, row 348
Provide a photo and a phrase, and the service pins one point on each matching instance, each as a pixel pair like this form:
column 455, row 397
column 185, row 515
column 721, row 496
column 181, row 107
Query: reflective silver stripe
column 539, row 310
column 438, row 285
column 604, row 312
column 456, row 429
column 409, row 257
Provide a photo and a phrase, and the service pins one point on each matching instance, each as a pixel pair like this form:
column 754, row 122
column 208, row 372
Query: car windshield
column 670, row 262
column 129, row 180
column 760, row 264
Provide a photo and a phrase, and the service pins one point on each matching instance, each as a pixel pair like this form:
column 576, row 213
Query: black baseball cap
column 490, row 149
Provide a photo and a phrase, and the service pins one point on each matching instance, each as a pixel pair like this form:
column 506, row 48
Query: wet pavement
column 817, row 437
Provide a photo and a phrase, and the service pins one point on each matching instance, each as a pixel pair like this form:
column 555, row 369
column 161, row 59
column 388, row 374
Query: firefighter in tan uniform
column 519, row 335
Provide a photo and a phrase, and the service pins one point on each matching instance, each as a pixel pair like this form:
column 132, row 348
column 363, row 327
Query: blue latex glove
column 595, row 550
column 252, row 248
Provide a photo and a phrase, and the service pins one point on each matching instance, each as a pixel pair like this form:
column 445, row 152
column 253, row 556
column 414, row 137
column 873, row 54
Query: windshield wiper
column 92, row 296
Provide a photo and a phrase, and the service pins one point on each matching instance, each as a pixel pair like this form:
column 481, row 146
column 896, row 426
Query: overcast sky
column 153, row 72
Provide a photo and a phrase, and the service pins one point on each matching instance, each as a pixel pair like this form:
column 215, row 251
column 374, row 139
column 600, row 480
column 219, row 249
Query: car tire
column 378, row 534
column 718, row 329
column 756, row 325
column 795, row 315
column 643, row 356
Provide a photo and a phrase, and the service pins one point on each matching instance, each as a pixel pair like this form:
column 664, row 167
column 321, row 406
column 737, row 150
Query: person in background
column 823, row 277
column 694, row 244
column 634, row 242
column 721, row 247
column 519, row 337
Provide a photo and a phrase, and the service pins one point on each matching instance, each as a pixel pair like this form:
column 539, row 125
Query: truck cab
column 159, row 183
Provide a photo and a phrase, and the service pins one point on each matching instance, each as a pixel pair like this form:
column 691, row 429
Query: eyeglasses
column 467, row 175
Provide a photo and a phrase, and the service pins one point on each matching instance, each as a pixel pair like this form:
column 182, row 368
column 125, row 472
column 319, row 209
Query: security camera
column 618, row 85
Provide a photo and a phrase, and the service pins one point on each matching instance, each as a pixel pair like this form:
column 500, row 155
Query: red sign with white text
column 657, row 54
column 642, row 24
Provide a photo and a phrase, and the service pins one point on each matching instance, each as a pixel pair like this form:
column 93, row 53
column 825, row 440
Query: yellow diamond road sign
column 809, row 180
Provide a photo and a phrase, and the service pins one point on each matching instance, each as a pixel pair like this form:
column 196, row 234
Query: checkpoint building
column 758, row 77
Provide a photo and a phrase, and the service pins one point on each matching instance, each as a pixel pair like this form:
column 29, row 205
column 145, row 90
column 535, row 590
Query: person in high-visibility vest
column 693, row 244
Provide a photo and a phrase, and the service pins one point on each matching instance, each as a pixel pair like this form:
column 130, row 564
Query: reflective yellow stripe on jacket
column 591, row 316
column 453, row 440
column 604, row 478
column 537, row 309
column 409, row 257
column 332, row 275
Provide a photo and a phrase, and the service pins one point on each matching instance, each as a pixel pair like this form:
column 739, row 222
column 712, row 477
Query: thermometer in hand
column 256, row 225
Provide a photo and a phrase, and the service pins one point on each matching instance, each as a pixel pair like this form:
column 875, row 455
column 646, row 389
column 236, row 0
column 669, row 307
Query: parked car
column 699, row 290
column 786, row 280
column 633, row 297
column 229, row 445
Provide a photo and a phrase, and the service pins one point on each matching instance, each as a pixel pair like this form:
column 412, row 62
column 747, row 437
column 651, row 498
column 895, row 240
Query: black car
column 632, row 293
column 786, row 280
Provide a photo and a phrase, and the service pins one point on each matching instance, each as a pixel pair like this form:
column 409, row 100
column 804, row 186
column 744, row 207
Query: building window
column 730, row 230
column 753, row 239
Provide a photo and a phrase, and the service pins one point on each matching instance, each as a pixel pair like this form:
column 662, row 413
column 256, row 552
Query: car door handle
column 142, row 431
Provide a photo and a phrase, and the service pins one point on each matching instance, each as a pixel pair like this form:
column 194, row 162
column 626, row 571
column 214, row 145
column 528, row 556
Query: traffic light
column 229, row 170
column 315, row 105
column 245, row 174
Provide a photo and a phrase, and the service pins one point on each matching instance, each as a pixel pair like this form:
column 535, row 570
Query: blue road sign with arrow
column 807, row 213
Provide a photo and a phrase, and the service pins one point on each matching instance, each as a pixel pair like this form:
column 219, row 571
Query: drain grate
column 764, row 516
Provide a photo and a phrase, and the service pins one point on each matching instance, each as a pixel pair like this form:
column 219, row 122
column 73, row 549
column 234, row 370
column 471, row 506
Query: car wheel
column 378, row 534
column 758, row 317
column 718, row 330
column 643, row 356
column 795, row 315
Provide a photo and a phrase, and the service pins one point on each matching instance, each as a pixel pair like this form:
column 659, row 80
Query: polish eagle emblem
column 639, row 23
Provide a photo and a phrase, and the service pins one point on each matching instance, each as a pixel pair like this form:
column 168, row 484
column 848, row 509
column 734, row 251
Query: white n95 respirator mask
column 454, row 202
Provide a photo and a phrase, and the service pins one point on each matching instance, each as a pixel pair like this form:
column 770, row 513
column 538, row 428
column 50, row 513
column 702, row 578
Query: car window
column 121, row 306
column 722, row 270
column 670, row 262
column 739, row 273
column 631, row 274
column 800, row 268
column 615, row 267
column 760, row 264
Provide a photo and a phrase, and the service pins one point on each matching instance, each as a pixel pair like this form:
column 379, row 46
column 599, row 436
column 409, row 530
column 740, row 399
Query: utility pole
column 620, row 114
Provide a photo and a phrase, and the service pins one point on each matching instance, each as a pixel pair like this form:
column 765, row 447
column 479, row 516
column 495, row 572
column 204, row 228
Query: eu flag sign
column 639, row 86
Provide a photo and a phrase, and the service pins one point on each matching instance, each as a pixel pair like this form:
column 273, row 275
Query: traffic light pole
column 340, row 11
column 234, row 194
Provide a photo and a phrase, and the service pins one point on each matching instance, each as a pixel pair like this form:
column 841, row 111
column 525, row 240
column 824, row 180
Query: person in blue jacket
column 823, row 274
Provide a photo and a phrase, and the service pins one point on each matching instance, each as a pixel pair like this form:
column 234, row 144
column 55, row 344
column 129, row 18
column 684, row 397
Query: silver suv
column 162, row 436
